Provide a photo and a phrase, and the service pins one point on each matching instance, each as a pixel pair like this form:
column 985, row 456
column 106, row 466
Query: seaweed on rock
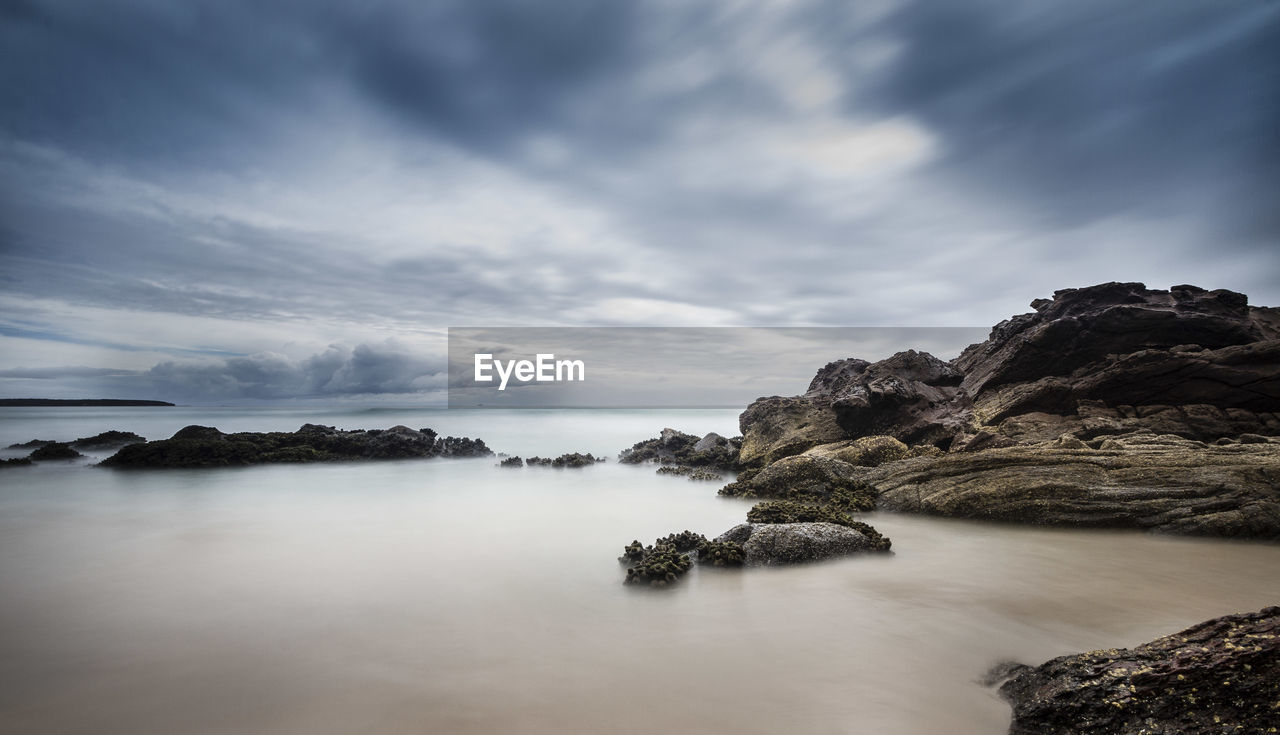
column 661, row 565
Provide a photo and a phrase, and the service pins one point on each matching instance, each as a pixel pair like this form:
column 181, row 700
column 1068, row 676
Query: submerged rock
column 206, row 446
column 1221, row 676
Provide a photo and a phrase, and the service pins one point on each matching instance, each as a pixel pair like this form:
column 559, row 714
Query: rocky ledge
column 1221, row 676
column 205, row 446
column 1140, row 480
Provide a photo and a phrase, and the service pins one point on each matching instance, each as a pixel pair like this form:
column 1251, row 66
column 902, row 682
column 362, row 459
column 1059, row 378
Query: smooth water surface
column 453, row 596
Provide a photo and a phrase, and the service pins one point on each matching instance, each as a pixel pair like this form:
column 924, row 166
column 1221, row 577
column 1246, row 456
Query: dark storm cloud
column 192, row 83
column 1089, row 108
column 365, row 369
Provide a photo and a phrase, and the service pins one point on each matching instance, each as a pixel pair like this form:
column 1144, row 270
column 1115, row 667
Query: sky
column 220, row 201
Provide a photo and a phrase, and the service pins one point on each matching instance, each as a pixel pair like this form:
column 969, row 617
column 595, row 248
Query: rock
column 983, row 439
column 705, row 476
column 1085, row 325
column 869, row 451
column 317, row 429
column 678, row 448
column 401, row 442
column 912, row 396
column 1102, row 360
column 570, row 459
column 664, row 562
column 111, row 438
column 710, row 442
column 721, row 554
column 806, row 477
column 689, row 472
column 1221, row 676
column 206, row 446
column 790, row 511
column 459, row 446
column 33, row 444
column 660, row 565
column 777, row 427
column 53, row 452
column 1143, row 480
column 575, row 459
column 792, row 543
column 1235, row 377
column 194, row 432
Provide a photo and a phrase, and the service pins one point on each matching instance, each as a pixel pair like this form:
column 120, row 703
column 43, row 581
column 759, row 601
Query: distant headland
column 78, row 402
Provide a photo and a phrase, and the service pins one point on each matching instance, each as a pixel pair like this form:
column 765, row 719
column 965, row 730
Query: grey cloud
column 1092, row 108
column 338, row 371
column 1048, row 119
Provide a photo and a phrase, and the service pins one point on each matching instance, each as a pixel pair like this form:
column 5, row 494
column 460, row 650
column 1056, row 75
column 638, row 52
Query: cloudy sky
column 213, row 200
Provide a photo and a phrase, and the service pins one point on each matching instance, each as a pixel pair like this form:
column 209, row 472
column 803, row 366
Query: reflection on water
column 443, row 597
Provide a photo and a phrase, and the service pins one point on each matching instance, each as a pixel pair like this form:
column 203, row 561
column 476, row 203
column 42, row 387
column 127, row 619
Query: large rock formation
column 205, row 446
column 1107, row 406
column 1106, row 359
column 1221, row 676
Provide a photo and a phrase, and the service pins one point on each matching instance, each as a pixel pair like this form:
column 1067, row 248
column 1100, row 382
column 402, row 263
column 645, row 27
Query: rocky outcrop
column 1143, row 480
column 1221, row 676
column 794, row 543
column 569, row 459
column 54, row 452
column 206, row 446
column 678, row 448
column 106, row 439
column 1103, row 360
column 1082, row 326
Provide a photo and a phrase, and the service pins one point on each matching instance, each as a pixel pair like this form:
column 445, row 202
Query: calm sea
column 452, row 596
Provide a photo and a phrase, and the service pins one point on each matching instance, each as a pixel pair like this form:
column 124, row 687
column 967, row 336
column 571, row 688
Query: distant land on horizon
column 79, row 402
